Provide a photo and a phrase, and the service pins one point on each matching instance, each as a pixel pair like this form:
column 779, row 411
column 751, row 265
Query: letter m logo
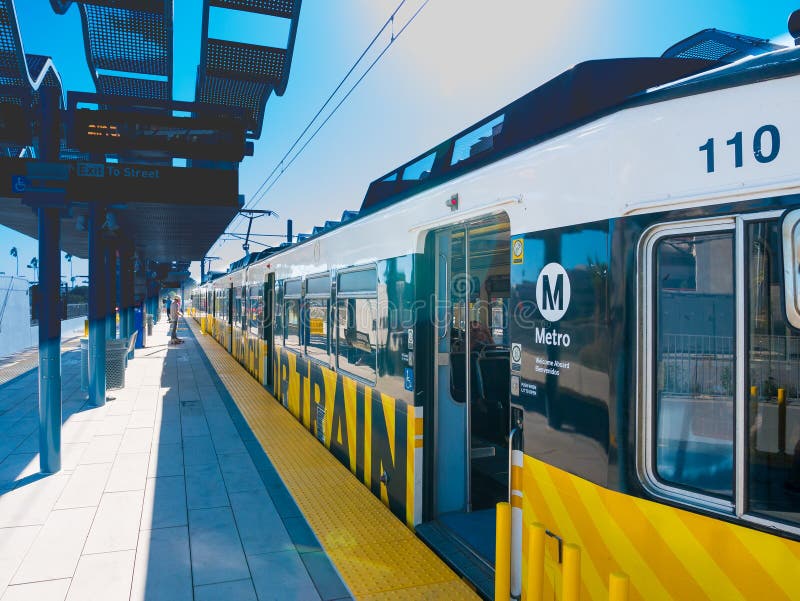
column 550, row 295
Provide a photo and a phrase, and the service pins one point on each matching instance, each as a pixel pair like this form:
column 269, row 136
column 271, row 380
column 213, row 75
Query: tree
column 14, row 254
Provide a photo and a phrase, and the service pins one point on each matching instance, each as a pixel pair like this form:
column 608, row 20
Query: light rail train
column 587, row 303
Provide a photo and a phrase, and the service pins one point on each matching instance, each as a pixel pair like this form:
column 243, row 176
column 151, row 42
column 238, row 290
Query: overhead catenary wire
column 282, row 165
column 392, row 40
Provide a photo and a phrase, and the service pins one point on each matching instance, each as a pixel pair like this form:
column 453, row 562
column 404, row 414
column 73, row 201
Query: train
column 587, row 305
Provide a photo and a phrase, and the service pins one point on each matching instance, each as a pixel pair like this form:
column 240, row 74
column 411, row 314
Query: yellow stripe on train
column 668, row 553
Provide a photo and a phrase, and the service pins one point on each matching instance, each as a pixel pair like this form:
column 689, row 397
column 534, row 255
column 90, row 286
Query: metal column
column 110, row 289
column 50, row 291
column 49, row 341
column 126, row 288
column 97, row 310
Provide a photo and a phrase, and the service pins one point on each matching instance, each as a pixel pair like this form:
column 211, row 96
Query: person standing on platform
column 174, row 312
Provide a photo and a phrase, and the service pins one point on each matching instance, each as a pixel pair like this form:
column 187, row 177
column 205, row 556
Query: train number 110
column 766, row 136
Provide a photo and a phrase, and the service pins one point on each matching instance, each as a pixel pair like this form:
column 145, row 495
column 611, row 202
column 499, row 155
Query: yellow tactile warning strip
column 24, row 361
column 377, row 556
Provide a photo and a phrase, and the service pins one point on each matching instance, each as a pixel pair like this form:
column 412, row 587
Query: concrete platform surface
column 159, row 498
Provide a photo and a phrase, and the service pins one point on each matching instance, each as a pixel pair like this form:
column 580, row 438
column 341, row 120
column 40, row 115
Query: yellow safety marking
column 377, row 556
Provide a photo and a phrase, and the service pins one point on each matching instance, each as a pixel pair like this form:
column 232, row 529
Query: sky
column 458, row 61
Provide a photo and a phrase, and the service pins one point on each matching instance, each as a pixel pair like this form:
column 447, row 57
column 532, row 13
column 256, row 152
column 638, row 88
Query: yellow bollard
column 782, row 420
column 534, row 587
column 85, row 328
column 571, row 573
column 618, row 586
column 502, row 553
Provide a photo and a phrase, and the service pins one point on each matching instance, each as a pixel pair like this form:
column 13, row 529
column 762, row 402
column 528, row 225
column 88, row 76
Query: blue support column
column 49, row 341
column 97, row 310
column 126, row 288
column 111, row 292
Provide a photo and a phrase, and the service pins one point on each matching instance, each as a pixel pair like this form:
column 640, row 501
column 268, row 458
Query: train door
column 471, row 380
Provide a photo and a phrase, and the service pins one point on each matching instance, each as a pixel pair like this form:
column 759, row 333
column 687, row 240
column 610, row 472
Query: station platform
column 191, row 483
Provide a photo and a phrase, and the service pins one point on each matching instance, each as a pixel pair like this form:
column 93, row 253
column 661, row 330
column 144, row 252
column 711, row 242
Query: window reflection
column 357, row 336
column 774, row 382
column 292, row 316
column 695, row 362
column 317, row 328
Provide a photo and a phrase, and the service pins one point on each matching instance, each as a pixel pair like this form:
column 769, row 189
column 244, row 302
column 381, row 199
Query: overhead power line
column 282, row 165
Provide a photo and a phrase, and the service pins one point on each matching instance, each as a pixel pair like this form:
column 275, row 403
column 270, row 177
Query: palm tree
column 14, row 254
column 34, row 264
column 68, row 257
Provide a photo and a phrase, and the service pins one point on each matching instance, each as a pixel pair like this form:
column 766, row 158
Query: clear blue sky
column 458, row 61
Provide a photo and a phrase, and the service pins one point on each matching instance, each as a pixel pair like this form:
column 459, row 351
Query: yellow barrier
column 571, row 573
column 502, row 551
column 618, row 586
column 85, row 328
column 535, row 585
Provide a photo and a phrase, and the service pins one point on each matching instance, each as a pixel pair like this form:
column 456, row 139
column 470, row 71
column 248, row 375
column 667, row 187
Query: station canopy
column 116, row 148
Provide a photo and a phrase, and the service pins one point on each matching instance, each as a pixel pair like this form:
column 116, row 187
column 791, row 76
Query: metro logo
column 553, row 292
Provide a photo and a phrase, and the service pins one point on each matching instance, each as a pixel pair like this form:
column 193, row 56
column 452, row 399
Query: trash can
column 116, row 351
column 84, row 364
column 138, row 326
column 149, row 324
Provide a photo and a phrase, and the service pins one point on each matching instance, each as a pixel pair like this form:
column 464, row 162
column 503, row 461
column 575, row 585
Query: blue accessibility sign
column 409, row 379
column 19, row 183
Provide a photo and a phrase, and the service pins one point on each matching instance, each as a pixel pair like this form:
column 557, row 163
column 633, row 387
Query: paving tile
column 194, row 425
column 142, row 419
column 136, row 440
column 129, row 472
column 50, row 590
column 113, row 424
column 260, row 527
column 199, row 450
column 229, row 444
column 56, row 550
column 301, row 534
column 325, row 577
column 102, row 449
column 239, row 590
column 166, row 460
column 281, row 575
column 217, row 554
column 116, row 525
column 118, row 406
column 14, row 544
column 72, row 453
column 78, row 431
column 164, row 503
column 85, row 486
column 18, row 466
column 103, row 577
column 166, row 432
column 31, row 504
column 239, row 472
column 204, row 487
column 163, row 570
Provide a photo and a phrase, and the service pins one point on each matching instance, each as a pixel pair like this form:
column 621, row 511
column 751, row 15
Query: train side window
column 356, row 323
column 291, row 314
column 420, row 169
column 773, row 379
column 695, row 362
column 316, row 316
column 479, row 140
